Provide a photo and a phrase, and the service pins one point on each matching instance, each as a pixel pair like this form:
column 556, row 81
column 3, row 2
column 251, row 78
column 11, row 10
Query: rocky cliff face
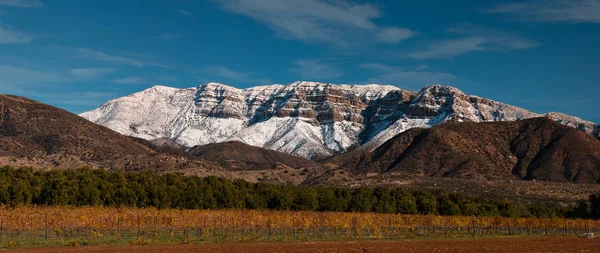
column 308, row 119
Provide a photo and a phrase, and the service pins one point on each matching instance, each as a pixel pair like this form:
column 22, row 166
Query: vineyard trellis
column 103, row 224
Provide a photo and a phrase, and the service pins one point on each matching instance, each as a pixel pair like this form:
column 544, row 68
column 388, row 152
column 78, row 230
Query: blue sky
column 540, row 55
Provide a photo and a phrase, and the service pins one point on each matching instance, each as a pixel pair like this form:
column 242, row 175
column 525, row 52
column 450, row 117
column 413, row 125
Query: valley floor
column 519, row 244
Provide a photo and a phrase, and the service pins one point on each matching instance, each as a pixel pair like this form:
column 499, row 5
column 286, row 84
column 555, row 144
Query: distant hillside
column 538, row 148
column 162, row 145
column 42, row 136
column 238, row 155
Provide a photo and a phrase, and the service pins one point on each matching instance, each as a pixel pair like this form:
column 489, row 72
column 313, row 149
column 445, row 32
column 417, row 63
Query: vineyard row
column 98, row 224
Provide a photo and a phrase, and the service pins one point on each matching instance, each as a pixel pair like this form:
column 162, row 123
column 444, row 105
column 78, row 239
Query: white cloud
column 413, row 79
column 316, row 70
column 91, row 72
column 316, row 21
column 377, row 67
column 394, row 34
column 474, row 38
column 577, row 11
column 100, row 56
column 501, row 39
column 130, row 80
column 451, row 48
column 10, row 36
column 184, row 12
column 228, row 73
column 22, row 3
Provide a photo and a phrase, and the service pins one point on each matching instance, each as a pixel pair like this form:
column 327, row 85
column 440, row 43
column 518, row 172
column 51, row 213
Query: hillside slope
column 42, row 136
column 538, row 148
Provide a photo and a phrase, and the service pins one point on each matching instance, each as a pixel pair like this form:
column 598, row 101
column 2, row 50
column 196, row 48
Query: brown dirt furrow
column 509, row 245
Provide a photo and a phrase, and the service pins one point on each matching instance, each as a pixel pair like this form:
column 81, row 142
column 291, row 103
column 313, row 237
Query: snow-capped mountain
column 308, row 119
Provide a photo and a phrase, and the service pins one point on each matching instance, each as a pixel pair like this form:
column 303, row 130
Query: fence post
column 269, row 226
column 294, row 226
column 118, row 227
column 46, row 225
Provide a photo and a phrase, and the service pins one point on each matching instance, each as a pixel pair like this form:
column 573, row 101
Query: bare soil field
column 511, row 245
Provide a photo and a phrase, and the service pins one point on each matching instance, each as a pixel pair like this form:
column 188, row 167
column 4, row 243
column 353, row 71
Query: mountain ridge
column 36, row 135
column 309, row 119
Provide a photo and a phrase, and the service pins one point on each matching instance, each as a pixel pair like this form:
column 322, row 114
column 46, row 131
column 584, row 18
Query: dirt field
column 510, row 245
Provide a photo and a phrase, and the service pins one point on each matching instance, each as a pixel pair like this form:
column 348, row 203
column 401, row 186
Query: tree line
column 87, row 187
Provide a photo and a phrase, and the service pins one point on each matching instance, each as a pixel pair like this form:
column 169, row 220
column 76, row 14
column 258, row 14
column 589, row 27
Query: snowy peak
column 436, row 100
column 441, row 90
column 309, row 119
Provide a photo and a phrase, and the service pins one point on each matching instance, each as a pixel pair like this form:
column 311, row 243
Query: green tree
column 406, row 204
column 362, row 200
column 384, row 201
column 426, row 202
column 445, row 206
column 306, row 199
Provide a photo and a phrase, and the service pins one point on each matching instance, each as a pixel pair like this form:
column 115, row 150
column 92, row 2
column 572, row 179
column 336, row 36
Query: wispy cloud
column 100, row 56
column 450, row 48
column 91, row 72
column 406, row 78
column 22, row 3
column 184, row 12
column 48, row 87
column 422, row 67
column 75, row 99
column 394, row 34
column 317, row 70
column 145, row 80
column 23, row 81
column 167, row 78
column 11, row 74
column 225, row 72
column 474, row 38
column 130, row 80
column 318, row 21
column 575, row 11
column 9, row 35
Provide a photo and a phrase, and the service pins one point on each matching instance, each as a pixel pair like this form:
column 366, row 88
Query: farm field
column 31, row 227
column 522, row 245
